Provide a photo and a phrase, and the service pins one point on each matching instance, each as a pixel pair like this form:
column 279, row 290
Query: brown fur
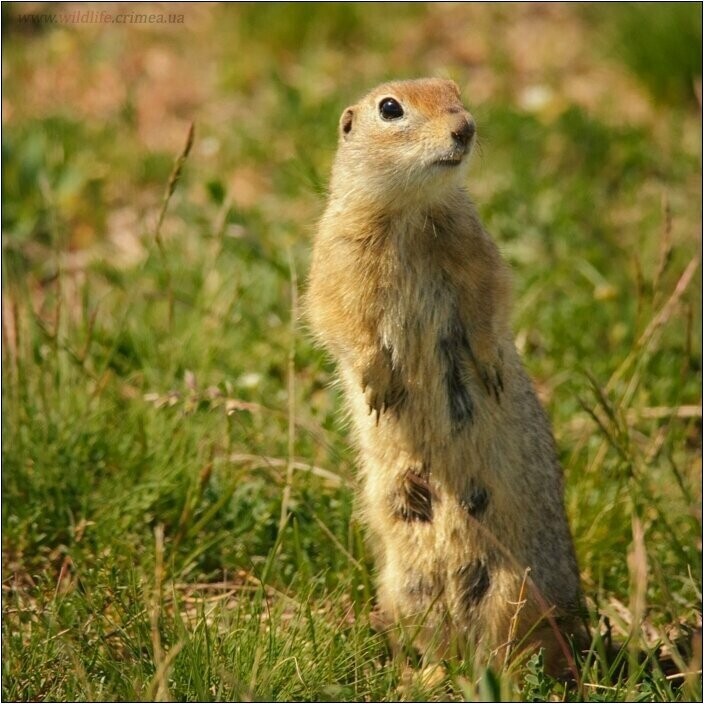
column 461, row 488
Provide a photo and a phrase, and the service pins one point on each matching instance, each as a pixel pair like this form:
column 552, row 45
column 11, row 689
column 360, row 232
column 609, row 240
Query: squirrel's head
column 404, row 140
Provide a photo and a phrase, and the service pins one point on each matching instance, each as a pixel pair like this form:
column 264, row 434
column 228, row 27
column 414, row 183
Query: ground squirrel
column 461, row 488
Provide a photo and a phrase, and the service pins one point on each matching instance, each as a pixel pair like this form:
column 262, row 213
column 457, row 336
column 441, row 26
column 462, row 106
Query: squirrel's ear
column 346, row 122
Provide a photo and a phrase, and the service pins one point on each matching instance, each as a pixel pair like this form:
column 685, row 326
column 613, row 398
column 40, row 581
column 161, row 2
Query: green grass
column 660, row 43
column 152, row 425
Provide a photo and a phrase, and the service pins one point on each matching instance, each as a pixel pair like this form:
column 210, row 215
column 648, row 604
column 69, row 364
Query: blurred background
column 98, row 111
column 157, row 383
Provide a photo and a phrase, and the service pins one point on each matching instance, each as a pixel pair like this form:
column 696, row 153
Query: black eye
column 390, row 109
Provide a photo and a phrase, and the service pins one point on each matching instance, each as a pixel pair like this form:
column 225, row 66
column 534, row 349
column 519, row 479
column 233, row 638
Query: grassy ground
column 177, row 488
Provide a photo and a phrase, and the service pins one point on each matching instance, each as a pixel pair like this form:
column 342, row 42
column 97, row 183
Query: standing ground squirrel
column 461, row 487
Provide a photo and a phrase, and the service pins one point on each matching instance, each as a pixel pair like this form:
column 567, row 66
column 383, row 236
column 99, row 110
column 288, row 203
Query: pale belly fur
column 462, row 496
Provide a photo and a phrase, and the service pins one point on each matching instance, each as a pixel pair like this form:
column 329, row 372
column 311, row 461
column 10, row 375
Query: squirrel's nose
column 463, row 132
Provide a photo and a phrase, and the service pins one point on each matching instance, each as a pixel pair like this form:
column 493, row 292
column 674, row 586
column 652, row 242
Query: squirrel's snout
column 464, row 132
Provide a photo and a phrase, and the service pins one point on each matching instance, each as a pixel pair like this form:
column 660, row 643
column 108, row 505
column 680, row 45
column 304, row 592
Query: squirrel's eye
column 390, row 109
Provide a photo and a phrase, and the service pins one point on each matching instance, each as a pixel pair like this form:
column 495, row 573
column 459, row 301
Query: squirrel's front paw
column 491, row 373
column 493, row 383
column 382, row 386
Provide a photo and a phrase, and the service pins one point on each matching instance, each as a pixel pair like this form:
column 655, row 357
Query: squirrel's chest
column 419, row 305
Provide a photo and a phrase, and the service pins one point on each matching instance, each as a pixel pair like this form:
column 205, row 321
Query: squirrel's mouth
column 452, row 158
column 449, row 161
